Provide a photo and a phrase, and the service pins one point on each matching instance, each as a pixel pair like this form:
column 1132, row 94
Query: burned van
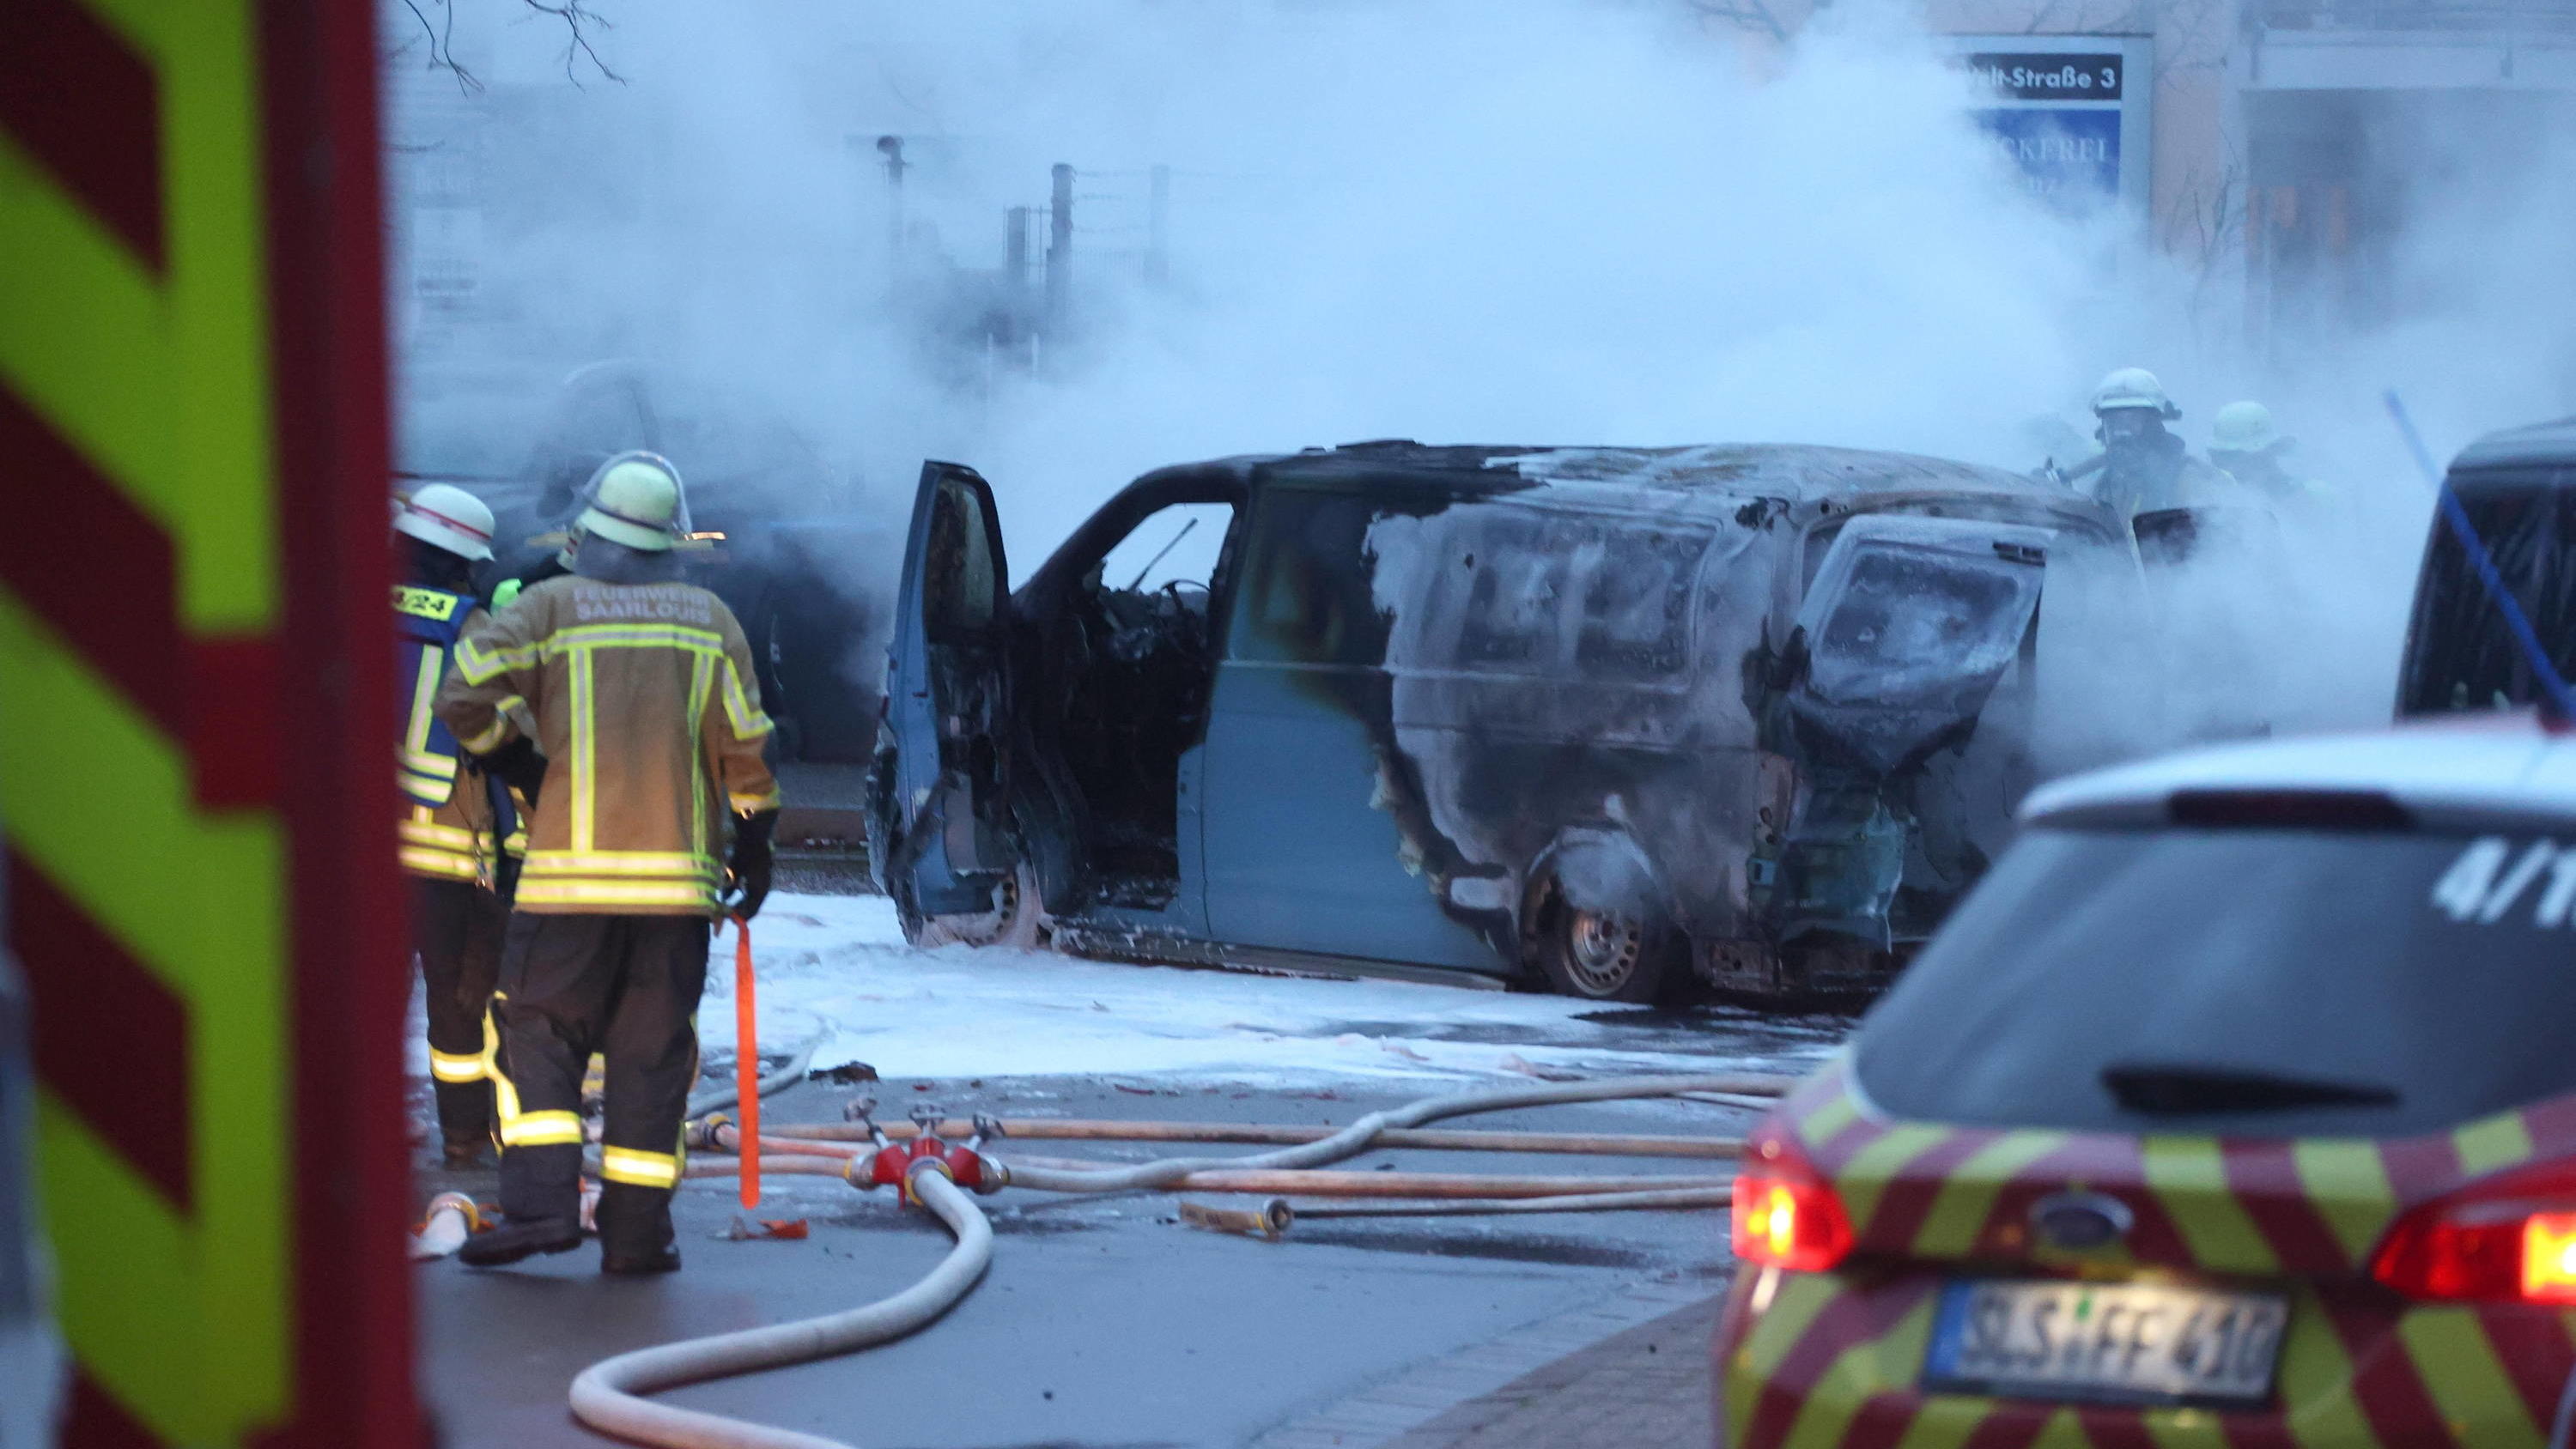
column 1594, row 718
column 2517, row 492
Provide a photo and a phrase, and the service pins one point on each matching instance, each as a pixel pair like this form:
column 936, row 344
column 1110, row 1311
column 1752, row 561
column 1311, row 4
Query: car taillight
column 2511, row 1239
column 1786, row 1216
column 2549, row 1257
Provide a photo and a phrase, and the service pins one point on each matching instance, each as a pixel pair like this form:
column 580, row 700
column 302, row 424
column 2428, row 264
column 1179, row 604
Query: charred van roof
column 1796, row 472
column 2541, row 443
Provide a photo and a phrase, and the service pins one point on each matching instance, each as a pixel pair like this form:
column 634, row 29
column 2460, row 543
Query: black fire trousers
column 626, row 986
column 456, row 931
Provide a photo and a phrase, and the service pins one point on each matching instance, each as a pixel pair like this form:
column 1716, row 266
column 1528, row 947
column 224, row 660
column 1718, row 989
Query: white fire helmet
column 635, row 499
column 2243, row 427
column 2133, row 387
column 443, row 515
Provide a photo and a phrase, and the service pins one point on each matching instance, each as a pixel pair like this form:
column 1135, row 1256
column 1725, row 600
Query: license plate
column 2123, row 1343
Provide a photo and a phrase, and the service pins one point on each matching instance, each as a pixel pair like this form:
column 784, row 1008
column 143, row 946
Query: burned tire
column 1596, row 955
column 1017, row 919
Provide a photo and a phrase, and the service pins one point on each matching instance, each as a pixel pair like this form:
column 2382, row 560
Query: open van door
column 1909, row 625
column 939, row 808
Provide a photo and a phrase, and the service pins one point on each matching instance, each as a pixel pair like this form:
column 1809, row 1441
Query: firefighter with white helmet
column 455, row 815
column 2143, row 466
column 642, row 694
column 2249, row 447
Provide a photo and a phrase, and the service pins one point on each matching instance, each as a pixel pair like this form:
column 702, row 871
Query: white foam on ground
column 836, row 969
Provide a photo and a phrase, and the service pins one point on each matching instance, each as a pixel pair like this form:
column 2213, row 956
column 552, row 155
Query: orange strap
column 746, row 1061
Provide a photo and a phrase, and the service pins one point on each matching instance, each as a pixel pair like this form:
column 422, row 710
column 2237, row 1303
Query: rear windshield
column 2423, row 980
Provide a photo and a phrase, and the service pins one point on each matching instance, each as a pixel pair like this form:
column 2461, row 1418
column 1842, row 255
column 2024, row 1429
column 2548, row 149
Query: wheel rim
column 986, row 927
column 1601, row 950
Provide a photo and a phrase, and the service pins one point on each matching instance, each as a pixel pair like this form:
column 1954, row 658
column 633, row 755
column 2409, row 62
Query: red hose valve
column 965, row 1167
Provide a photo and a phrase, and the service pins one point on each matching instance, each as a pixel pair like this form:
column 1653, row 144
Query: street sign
column 2069, row 111
column 199, row 866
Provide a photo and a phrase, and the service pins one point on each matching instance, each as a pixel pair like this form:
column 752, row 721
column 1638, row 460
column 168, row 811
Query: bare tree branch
column 442, row 50
column 575, row 15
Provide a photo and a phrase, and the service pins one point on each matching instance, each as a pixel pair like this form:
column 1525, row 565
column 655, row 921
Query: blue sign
column 2069, row 156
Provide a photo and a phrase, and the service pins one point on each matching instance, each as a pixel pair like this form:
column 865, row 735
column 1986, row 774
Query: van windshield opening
column 1912, row 621
column 2250, row 981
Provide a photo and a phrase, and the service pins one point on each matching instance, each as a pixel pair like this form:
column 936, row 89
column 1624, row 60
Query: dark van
column 2518, row 490
column 1597, row 717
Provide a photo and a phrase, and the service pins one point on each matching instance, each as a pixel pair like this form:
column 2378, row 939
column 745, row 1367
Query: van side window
column 1636, row 606
column 1510, row 623
column 1305, row 597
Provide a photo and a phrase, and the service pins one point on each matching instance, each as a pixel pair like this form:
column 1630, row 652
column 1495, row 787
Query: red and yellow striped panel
column 1833, row 1359
column 152, row 885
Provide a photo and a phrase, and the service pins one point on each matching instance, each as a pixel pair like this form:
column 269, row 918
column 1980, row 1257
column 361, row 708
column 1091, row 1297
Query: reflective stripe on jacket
column 447, row 827
column 648, row 714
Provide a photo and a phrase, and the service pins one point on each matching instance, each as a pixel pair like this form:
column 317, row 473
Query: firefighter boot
column 665, row 1259
column 510, row 1242
column 635, row 1238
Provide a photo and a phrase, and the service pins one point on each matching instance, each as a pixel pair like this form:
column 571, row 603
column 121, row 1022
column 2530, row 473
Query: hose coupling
column 701, row 1134
column 920, row 1165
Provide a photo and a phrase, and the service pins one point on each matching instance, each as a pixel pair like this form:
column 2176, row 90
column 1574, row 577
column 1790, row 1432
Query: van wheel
column 1597, row 955
column 1016, row 919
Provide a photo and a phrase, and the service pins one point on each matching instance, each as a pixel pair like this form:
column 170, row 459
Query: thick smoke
column 1555, row 221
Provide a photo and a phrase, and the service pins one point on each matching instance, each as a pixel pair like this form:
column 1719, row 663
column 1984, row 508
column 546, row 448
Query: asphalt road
column 1104, row 1322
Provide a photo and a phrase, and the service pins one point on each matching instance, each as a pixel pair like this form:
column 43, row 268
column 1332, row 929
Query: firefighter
column 2245, row 444
column 641, row 690
column 2142, row 467
column 455, row 816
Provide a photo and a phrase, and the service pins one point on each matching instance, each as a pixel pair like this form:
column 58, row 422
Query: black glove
column 517, row 765
column 750, row 866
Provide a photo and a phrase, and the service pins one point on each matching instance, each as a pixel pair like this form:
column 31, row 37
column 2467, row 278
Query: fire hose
column 716, row 1099
column 790, row 1136
column 607, row 1396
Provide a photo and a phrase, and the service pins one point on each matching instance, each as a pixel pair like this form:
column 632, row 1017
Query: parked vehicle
column 2234, row 1106
column 1596, row 717
column 2518, row 490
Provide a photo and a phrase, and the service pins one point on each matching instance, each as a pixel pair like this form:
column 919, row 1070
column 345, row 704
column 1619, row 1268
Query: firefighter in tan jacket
column 648, row 714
